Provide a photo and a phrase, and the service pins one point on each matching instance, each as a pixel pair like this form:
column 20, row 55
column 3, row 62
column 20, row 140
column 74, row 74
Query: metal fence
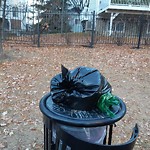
column 70, row 28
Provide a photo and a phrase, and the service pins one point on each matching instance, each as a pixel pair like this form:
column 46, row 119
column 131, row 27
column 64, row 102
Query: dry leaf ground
column 25, row 77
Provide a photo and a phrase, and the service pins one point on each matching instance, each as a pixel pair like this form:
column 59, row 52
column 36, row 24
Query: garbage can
column 72, row 103
column 94, row 134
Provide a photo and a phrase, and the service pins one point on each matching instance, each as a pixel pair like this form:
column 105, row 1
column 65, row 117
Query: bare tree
column 2, row 26
column 1, row 47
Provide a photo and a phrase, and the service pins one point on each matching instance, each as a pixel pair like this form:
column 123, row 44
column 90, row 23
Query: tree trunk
column 2, row 28
column 1, row 46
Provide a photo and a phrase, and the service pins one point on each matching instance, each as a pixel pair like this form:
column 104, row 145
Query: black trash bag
column 79, row 88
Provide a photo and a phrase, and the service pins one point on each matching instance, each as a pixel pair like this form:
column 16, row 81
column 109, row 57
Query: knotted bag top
column 78, row 89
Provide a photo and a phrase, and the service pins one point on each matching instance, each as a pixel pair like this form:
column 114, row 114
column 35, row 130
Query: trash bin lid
column 79, row 118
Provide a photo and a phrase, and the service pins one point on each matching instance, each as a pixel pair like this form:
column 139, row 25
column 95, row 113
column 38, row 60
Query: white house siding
column 75, row 23
column 94, row 5
column 103, row 4
column 131, row 25
column 17, row 22
column 86, row 16
column 110, row 10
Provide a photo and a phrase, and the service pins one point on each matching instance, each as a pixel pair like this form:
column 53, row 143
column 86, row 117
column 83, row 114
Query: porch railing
column 131, row 2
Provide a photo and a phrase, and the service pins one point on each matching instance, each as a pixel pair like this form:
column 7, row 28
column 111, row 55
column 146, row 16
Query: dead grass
column 25, row 79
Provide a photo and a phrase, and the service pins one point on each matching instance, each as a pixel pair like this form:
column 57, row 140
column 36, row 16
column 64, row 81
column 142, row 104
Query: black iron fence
column 71, row 28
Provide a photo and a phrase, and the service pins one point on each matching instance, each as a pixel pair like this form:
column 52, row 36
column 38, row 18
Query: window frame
column 15, row 11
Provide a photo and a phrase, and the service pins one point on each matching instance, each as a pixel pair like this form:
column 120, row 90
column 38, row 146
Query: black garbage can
column 72, row 121
column 72, row 103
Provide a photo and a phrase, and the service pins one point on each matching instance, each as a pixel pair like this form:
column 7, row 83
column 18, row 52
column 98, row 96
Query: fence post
column 34, row 31
column 140, row 31
column 62, row 18
column 93, row 31
column 38, row 40
column 3, row 21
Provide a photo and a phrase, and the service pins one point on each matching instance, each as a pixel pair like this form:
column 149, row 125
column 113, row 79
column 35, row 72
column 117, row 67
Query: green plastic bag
column 105, row 102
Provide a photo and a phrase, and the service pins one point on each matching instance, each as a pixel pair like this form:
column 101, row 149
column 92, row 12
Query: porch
column 125, row 6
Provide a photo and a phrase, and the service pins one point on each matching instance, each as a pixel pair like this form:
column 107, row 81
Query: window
column 77, row 21
column 15, row 11
column 119, row 27
column 88, row 25
column 15, row 24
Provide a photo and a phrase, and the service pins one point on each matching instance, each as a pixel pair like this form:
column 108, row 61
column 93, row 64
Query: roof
column 126, row 9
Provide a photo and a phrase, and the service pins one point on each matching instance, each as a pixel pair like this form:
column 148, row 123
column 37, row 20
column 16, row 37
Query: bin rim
column 79, row 118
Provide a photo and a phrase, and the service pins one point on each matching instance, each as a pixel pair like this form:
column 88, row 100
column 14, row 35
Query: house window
column 88, row 25
column 15, row 11
column 77, row 21
column 116, row 26
column 15, row 24
column 119, row 27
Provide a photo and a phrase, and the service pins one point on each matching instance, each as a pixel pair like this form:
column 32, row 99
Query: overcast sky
column 17, row 1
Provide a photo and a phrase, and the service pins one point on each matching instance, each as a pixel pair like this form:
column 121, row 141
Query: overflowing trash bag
column 78, row 89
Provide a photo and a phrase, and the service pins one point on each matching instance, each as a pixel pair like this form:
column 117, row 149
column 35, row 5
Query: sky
column 17, row 1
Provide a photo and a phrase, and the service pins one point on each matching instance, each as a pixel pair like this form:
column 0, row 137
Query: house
column 123, row 16
column 118, row 16
column 15, row 16
column 77, row 14
column 75, row 22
